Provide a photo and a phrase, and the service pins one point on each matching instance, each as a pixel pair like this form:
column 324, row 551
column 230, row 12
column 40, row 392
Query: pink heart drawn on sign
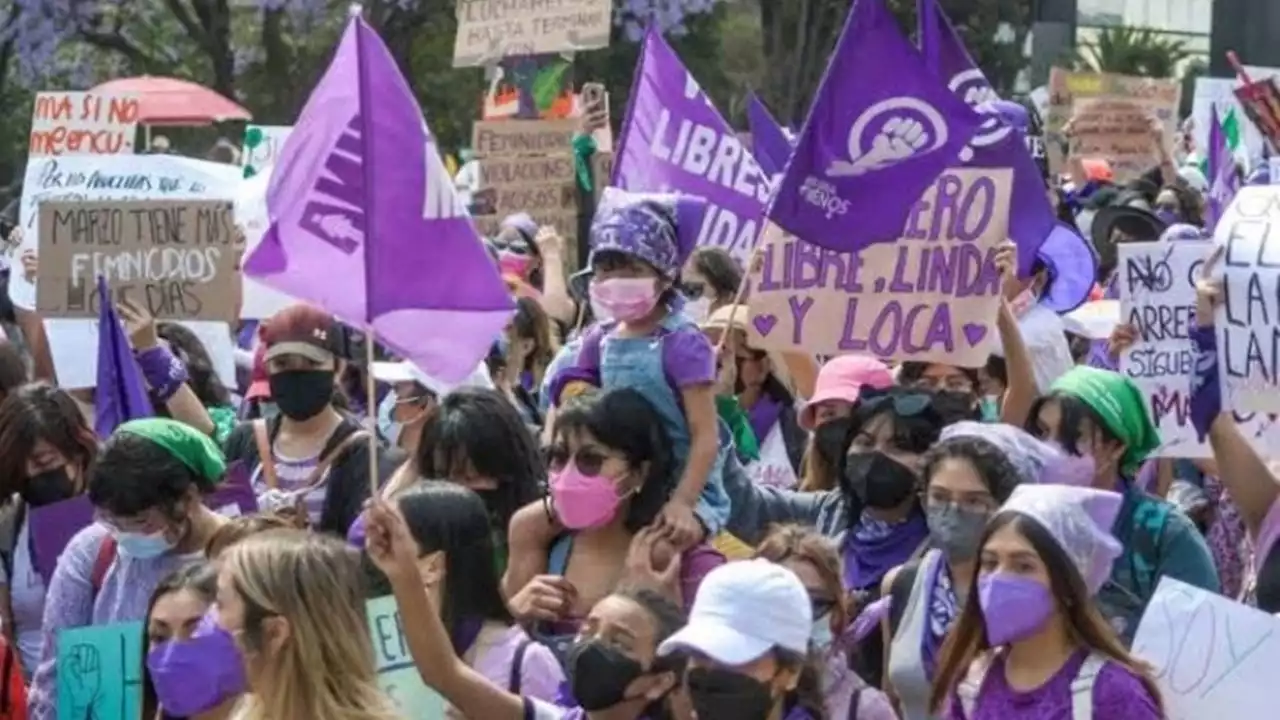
column 974, row 333
column 765, row 323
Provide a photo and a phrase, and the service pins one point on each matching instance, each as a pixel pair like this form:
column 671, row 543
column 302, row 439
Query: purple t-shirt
column 1117, row 693
column 492, row 656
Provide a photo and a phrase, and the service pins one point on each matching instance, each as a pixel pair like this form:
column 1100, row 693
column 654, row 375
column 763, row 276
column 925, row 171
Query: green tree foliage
column 1134, row 51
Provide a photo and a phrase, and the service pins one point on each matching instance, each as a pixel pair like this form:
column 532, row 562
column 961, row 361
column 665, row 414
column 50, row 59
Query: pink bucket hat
column 842, row 378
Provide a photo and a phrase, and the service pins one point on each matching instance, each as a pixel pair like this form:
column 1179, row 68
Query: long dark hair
column 625, row 421
column 968, row 637
column 1073, row 412
column 36, row 412
column 200, row 578
column 204, row 381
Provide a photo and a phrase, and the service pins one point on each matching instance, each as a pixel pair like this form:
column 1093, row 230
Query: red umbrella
column 170, row 101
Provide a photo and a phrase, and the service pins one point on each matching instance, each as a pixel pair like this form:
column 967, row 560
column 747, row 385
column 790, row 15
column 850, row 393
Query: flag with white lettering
column 366, row 223
column 675, row 141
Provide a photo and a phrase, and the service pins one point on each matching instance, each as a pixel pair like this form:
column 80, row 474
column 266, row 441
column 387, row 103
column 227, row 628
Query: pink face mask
column 625, row 299
column 512, row 264
column 583, row 502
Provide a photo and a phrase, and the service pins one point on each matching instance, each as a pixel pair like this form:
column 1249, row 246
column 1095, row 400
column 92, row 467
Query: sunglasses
column 589, row 461
column 903, row 404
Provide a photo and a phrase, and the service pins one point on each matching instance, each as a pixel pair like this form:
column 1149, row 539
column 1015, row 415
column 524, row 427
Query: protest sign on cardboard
column 514, row 137
column 932, row 296
column 176, row 258
column 1157, row 297
column 82, row 123
column 1211, row 657
column 1117, row 129
column 397, row 675
column 100, row 671
column 1248, row 320
column 1219, row 94
column 489, row 30
column 1155, row 96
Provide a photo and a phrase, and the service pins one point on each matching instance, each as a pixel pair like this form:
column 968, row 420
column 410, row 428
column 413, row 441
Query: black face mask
column 48, row 487
column 878, row 480
column 726, row 695
column 302, row 394
column 599, row 675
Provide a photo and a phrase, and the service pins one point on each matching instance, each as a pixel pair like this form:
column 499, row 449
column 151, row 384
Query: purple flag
column 997, row 143
column 1223, row 181
column 366, row 224
column 873, row 141
column 769, row 141
column 120, row 394
column 675, row 141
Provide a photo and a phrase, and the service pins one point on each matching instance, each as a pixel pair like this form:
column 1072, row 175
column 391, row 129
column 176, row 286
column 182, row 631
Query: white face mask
column 388, row 427
column 697, row 310
column 821, row 635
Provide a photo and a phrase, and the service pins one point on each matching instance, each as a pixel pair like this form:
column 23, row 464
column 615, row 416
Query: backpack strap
column 102, row 563
column 853, row 704
column 266, row 458
column 321, row 471
column 900, row 594
column 1082, row 686
column 516, row 680
column 558, row 555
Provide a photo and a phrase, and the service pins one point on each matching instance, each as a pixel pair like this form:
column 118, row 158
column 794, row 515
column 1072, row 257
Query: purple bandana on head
column 643, row 226
column 873, row 142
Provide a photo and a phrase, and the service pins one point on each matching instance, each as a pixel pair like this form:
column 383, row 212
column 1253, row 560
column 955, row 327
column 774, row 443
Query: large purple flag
column 996, row 144
column 873, row 141
column 675, row 141
column 769, row 141
column 366, row 224
column 1224, row 183
column 120, row 394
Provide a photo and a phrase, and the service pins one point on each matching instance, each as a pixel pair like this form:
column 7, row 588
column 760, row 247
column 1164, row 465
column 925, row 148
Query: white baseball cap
column 743, row 610
column 405, row 371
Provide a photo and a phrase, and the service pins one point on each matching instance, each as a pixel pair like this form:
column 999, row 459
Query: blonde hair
column 325, row 668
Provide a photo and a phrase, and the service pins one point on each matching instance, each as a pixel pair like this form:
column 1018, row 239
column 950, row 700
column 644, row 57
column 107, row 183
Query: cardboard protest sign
column 530, row 87
column 1261, row 102
column 82, row 123
column 176, row 258
column 526, row 183
column 1067, row 88
column 100, row 672
column 1211, row 656
column 513, row 137
column 1157, row 296
column 397, row 676
column 489, row 30
column 1248, row 320
column 262, row 145
column 1117, row 129
column 932, row 296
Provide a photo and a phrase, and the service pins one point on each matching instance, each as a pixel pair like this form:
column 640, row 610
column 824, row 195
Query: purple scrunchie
column 163, row 371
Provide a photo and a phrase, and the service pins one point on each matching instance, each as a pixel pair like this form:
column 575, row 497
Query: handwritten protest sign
column 932, row 296
column 262, row 146
column 176, row 258
column 1248, row 320
column 397, row 676
column 1153, row 96
column 489, row 30
column 531, row 137
column 82, row 123
column 100, row 672
column 1212, row 657
column 1157, row 296
column 1117, row 129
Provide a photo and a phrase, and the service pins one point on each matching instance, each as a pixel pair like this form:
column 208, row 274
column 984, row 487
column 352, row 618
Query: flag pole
column 370, row 393
column 1236, row 65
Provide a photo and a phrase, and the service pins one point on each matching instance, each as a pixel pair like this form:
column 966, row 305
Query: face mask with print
column 625, row 299
column 141, row 546
column 581, row 501
column 197, row 675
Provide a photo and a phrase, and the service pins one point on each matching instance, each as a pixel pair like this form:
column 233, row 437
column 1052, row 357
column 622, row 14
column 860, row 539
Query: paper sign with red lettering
column 83, row 123
column 931, row 296
column 1157, row 297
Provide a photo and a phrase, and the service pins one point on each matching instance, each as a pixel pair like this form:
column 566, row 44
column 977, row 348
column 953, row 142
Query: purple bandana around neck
column 941, row 610
column 867, row 558
column 763, row 416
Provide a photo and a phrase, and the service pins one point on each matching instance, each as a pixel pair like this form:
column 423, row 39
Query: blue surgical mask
column 989, row 406
column 140, row 546
column 387, row 426
column 821, row 636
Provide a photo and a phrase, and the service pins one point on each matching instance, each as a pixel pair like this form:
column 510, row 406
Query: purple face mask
column 196, row 675
column 1013, row 608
